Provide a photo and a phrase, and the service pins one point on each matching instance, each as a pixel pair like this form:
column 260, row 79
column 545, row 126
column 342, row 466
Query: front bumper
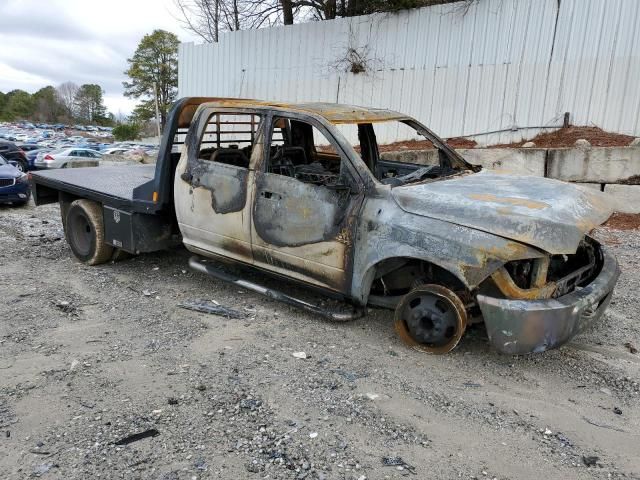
column 527, row 326
column 18, row 192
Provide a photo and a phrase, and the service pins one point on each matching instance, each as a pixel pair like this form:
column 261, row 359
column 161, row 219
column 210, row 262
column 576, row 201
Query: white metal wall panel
column 502, row 68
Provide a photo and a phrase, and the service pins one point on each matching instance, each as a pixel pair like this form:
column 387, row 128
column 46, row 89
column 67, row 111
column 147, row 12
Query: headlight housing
column 23, row 178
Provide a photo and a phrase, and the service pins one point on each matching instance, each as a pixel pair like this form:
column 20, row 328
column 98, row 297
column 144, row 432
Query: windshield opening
column 398, row 152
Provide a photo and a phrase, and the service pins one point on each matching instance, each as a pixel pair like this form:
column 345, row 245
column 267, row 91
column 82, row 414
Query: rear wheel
column 431, row 318
column 85, row 232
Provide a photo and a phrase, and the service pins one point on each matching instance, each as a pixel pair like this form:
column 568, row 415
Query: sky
column 48, row 42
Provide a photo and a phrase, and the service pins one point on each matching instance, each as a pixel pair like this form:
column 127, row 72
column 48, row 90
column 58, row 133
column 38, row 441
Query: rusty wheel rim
column 431, row 319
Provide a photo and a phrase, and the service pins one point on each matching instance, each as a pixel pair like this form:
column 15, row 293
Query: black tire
column 65, row 205
column 85, row 232
column 22, row 166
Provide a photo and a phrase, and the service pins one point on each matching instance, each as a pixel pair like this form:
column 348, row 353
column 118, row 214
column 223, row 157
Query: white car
column 115, row 151
column 66, row 157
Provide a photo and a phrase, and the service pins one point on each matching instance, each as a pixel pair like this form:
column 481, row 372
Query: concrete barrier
column 615, row 168
column 417, row 157
column 626, row 198
column 126, row 159
column 521, row 161
column 82, row 163
column 600, row 165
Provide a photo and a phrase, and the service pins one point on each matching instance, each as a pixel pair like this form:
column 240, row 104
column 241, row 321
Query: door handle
column 270, row 195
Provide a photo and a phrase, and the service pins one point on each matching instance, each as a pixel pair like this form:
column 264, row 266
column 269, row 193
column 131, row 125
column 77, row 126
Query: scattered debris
column 301, row 355
column 610, row 427
column 148, row 293
column 152, row 432
column 397, row 462
column 548, row 432
column 44, row 468
column 529, row 145
column 201, row 464
column 172, row 401
column 472, row 385
column 313, row 434
column 372, row 396
column 206, row 306
column 590, row 461
column 250, row 403
column 582, row 144
column 617, row 411
column 631, row 348
column 65, row 306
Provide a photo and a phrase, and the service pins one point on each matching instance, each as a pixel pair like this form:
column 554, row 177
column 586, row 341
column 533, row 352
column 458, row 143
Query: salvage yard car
column 310, row 192
column 14, row 184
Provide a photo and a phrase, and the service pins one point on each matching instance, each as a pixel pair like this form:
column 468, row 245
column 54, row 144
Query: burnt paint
column 227, row 184
column 290, row 213
column 386, row 231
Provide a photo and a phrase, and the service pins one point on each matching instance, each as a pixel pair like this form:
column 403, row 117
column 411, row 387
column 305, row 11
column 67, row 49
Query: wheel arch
column 449, row 274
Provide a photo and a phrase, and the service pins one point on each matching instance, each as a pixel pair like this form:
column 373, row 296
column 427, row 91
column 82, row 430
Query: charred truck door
column 306, row 196
column 214, row 182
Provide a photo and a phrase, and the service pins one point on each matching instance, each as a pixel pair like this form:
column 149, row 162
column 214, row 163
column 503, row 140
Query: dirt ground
column 566, row 137
column 91, row 355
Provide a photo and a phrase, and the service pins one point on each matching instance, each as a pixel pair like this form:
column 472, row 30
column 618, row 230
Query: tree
column 155, row 62
column 126, row 131
column 20, row 105
column 3, row 103
column 67, row 96
column 207, row 18
column 89, row 104
column 47, row 105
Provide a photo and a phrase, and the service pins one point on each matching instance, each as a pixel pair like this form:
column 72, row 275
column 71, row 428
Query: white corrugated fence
column 501, row 68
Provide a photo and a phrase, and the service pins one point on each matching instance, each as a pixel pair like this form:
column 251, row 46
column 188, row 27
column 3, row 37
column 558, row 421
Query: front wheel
column 85, row 232
column 431, row 318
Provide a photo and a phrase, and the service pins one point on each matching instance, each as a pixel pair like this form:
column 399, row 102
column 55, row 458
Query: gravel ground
column 92, row 355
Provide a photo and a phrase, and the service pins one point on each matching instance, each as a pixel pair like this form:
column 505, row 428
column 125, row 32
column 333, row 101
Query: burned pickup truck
column 311, row 193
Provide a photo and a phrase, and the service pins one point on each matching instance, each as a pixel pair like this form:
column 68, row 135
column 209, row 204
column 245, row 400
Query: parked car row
column 39, row 146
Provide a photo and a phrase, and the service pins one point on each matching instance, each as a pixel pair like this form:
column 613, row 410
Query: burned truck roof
column 332, row 112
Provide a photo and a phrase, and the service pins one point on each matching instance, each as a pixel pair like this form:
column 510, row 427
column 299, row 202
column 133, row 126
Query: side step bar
column 196, row 264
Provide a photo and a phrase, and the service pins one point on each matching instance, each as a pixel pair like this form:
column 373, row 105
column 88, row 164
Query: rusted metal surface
column 344, row 235
column 548, row 214
column 387, row 231
column 510, row 290
column 433, row 319
column 332, row 112
column 528, row 326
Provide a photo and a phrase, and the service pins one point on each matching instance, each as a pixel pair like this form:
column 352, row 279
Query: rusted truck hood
column 547, row 214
